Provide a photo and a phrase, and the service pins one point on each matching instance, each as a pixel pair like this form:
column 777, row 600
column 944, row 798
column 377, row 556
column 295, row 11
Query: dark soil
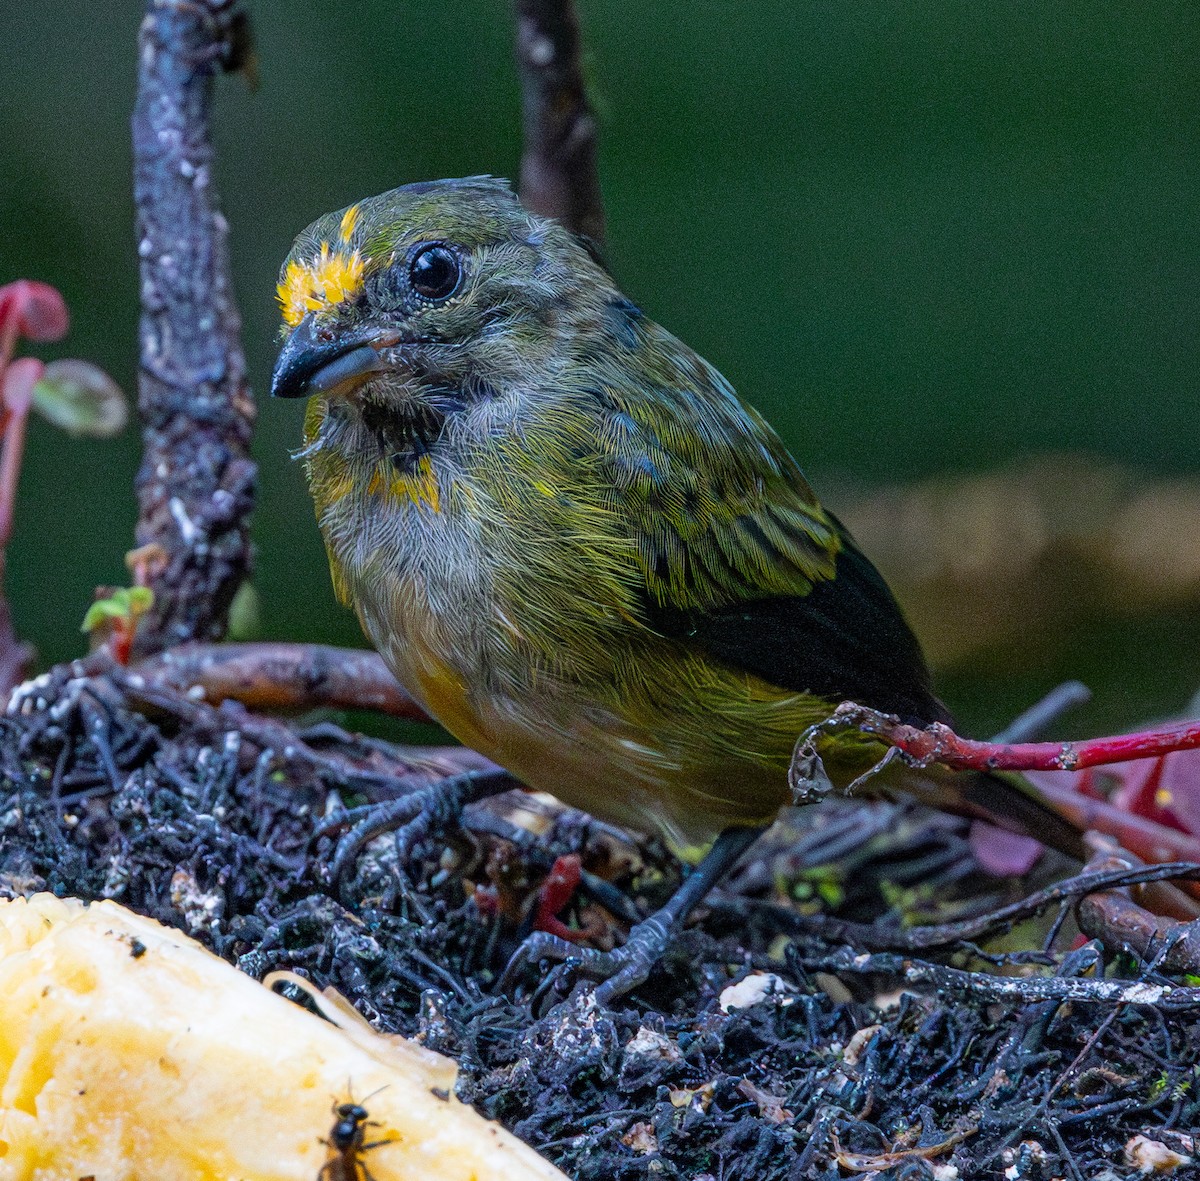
column 204, row 819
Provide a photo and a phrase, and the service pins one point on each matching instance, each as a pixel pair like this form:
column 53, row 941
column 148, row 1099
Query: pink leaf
column 1179, row 789
column 1165, row 789
column 1003, row 854
column 38, row 309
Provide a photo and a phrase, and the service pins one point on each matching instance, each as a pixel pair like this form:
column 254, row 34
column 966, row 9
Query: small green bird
column 568, row 537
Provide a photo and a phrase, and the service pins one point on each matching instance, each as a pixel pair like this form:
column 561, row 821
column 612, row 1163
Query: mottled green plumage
column 569, row 538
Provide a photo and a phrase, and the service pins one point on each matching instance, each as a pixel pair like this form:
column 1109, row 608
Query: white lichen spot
column 188, row 530
column 541, row 51
column 1145, row 994
column 201, row 911
column 758, row 986
column 649, row 1043
column 22, row 699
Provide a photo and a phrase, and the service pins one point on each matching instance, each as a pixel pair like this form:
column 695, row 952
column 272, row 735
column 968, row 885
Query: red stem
column 12, row 448
column 939, row 744
column 10, row 326
column 8, row 339
column 1151, row 841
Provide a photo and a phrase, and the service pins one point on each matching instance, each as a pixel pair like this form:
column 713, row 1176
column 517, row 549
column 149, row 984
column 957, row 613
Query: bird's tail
column 1001, row 798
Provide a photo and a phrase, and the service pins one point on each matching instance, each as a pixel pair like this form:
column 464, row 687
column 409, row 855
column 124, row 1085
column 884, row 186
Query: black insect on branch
column 195, row 487
column 559, row 174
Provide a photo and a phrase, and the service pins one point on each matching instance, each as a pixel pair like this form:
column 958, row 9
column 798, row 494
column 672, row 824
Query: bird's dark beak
column 314, row 361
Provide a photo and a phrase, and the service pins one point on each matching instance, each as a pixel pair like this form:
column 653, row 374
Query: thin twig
column 996, row 921
column 1121, row 924
column 559, row 174
column 405, row 768
column 1041, row 715
column 15, row 655
column 196, row 483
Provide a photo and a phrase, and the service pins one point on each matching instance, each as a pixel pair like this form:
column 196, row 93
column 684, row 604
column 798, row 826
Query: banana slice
column 129, row 1051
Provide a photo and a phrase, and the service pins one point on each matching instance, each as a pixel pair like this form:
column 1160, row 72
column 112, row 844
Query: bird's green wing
column 738, row 557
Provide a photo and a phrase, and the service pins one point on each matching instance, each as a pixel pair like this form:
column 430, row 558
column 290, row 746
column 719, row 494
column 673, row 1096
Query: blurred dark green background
column 922, row 237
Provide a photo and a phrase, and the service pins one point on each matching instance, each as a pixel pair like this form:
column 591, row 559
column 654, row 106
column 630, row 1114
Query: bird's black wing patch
column 846, row 640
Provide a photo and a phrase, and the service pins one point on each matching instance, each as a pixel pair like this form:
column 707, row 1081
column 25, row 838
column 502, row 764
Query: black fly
column 347, row 1139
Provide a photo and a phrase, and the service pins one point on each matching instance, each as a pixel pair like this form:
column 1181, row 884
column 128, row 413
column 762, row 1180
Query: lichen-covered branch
column 195, row 487
column 1013, row 990
column 559, row 174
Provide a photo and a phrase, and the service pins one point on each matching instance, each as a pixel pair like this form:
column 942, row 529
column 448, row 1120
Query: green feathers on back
column 718, row 510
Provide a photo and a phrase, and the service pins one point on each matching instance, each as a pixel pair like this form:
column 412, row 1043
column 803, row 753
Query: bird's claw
column 412, row 817
column 623, row 969
column 617, row 972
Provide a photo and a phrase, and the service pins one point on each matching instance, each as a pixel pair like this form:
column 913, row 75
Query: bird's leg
column 627, row 966
column 413, row 816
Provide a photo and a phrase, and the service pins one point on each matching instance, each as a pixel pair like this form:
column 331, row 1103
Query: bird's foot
column 618, row 971
column 412, row 817
column 624, row 968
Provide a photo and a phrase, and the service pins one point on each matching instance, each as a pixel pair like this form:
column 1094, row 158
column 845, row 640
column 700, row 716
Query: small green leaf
column 98, row 612
column 126, row 602
column 81, row 399
column 244, row 621
column 139, row 599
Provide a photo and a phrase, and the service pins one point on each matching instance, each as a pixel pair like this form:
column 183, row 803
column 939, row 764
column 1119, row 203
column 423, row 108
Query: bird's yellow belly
column 628, row 773
column 653, row 737
column 678, row 771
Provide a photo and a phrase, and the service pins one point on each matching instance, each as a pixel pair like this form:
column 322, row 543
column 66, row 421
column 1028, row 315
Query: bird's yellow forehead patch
column 349, row 221
column 327, row 279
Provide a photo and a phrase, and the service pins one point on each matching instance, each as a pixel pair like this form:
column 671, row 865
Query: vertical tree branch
column 559, row 174
column 195, row 487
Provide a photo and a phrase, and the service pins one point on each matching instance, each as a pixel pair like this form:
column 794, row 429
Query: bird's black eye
column 435, row 272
